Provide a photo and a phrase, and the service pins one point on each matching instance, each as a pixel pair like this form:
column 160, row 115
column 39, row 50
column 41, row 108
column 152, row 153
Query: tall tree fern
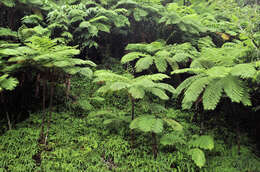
column 215, row 74
column 158, row 54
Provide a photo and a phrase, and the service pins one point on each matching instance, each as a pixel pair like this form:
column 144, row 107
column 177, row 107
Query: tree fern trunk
column 238, row 137
column 68, row 85
column 154, row 145
column 41, row 139
column 133, row 108
column 37, row 85
column 133, row 116
column 50, row 113
column 8, row 120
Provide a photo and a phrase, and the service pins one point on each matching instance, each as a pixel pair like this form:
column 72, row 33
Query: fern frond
column 174, row 124
column 155, row 77
column 147, row 123
column 203, row 142
column 212, row 94
column 143, row 63
column 194, row 90
column 155, row 46
column 186, row 83
column 189, row 70
column 243, row 70
column 131, row 56
column 159, row 93
column 116, row 86
column 234, row 88
column 136, row 47
column 6, row 32
column 165, row 87
column 136, row 92
column 198, row 157
column 7, row 83
column 161, row 64
column 106, row 75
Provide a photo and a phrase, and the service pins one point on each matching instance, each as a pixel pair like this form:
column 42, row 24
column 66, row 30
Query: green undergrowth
column 83, row 144
column 84, row 136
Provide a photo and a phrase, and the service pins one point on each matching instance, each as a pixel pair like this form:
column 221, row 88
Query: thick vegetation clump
column 129, row 85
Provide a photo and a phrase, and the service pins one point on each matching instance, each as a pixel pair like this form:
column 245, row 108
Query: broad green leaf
column 137, row 92
column 198, row 157
column 204, row 142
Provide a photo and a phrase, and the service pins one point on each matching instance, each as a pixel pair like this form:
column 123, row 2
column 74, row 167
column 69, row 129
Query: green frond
column 194, row 90
column 136, row 92
column 99, row 18
column 205, row 42
column 86, row 71
column 103, row 27
column 218, row 71
column 243, row 70
column 164, row 86
column 212, row 94
column 116, row 86
column 104, row 89
column 136, row 47
column 147, row 123
column 246, row 98
column 142, row 82
column 198, row 157
column 174, row 124
column 189, row 70
column 126, row 4
column 155, row 77
column 173, row 139
column 143, row 63
column 6, row 32
column 161, row 64
column 155, row 46
column 8, row 3
column 159, row 93
column 106, row 75
column 203, row 142
column 7, row 83
column 186, row 83
column 131, row 56
column 234, row 88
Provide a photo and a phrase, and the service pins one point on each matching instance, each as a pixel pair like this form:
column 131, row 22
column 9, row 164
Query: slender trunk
column 6, row 112
column 68, row 85
column 133, row 116
column 154, row 145
column 133, row 108
column 37, row 85
column 238, row 137
column 8, row 120
column 41, row 139
column 50, row 113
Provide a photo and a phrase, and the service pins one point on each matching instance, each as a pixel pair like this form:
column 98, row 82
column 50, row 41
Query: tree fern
column 159, row 54
column 115, row 82
column 212, row 83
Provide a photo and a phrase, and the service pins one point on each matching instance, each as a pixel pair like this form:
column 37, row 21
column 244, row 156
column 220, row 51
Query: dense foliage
column 129, row 85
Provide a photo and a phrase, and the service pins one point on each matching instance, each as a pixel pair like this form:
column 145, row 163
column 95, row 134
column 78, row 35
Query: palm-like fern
column 136, row 87
column 216, row 73
column 7, row 82
column 85, row 24
column 159, row 54
column 183, row 17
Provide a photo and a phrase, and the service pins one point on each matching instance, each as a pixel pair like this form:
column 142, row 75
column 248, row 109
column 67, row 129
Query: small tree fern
column 215, row 73
column 136, row 87
column 158, row 54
